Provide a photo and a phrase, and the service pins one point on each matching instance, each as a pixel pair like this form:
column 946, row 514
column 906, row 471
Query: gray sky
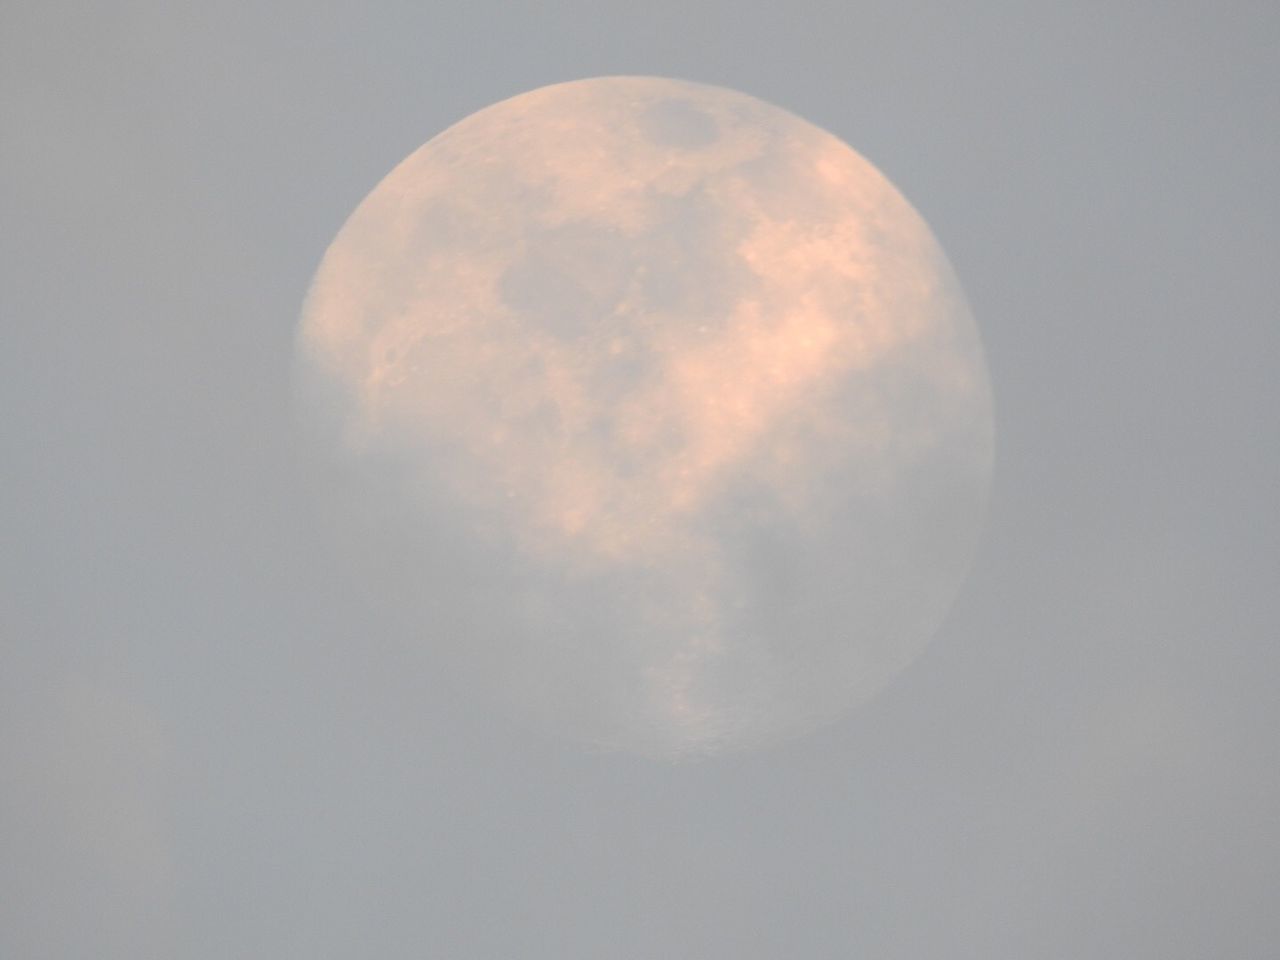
column 215, row 737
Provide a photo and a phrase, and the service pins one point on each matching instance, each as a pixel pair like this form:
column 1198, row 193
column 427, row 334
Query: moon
column 682, row 393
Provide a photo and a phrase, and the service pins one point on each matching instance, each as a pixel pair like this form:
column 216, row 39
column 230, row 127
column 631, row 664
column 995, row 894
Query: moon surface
column 682, row 394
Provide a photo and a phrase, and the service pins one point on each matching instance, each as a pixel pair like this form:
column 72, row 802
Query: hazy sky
column 219, row 733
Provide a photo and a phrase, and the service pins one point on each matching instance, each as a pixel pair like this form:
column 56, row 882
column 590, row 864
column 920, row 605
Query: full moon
column 680, row 393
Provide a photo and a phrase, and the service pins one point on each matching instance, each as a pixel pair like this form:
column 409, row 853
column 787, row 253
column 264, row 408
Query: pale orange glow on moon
column 652, row 340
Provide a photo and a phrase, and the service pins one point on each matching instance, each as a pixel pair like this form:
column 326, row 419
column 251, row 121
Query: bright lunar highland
column 682, row 393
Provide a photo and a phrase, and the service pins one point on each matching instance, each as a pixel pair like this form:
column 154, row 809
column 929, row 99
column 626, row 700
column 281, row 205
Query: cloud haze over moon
column 684, row 389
